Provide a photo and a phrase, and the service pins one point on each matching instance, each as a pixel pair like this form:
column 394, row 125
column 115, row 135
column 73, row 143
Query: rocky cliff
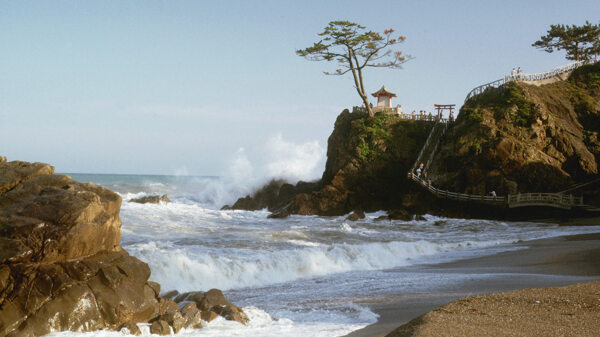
column 525, row 138
column 62, row 266
column 367, row 163
column 516, row 138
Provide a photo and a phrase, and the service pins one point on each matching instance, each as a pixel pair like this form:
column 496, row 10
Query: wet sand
column 551, row 262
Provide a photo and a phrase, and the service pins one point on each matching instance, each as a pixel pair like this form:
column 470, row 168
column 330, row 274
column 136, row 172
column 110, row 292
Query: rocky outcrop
column 525, row 138
column 367, row 162
column 212, row 303
column 152, row 199
column 517, row 138
column 276, row 196
column 61, row 263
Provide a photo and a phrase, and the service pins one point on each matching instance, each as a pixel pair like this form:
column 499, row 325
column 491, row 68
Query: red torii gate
column 441, row 107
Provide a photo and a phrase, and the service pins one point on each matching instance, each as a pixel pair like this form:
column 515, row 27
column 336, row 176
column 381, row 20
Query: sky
column 196, row 87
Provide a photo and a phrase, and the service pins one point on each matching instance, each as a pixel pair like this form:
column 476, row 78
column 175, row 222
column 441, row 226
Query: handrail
column 560, row 200
column 437, row 144
column 456, row 196
column 394, row 110
column 512, row 200
column 528, row 77
column 429, row 137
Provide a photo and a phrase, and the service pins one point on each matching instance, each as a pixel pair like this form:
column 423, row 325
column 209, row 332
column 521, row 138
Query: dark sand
column 544, row 263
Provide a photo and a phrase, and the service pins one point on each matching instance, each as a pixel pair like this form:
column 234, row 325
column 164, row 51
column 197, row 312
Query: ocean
column 299, row 276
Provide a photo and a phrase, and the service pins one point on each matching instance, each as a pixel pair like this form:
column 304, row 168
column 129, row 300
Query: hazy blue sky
column 196, row 87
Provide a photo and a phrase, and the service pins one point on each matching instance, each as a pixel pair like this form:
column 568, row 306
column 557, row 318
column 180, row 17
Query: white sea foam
column 185, row 269
column 304, row 243
column 261, row 325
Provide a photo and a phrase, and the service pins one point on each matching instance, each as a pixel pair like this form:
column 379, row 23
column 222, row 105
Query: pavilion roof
column 383, row 92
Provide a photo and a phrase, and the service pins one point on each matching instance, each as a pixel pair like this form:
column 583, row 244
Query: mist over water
column 309, row 272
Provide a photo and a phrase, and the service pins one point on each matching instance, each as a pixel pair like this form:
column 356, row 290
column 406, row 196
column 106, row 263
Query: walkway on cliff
column 558, row 200
column 550, row 76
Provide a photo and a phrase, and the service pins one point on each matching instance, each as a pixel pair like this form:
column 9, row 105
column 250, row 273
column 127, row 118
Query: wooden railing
column 557, row 200
column 437, row 144
column 566, row 201
column 430, row 138
column 499, row 200
column 397, row 111
column 528, row 77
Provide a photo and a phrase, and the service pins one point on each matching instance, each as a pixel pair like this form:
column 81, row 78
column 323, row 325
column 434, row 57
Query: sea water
column 299, row 276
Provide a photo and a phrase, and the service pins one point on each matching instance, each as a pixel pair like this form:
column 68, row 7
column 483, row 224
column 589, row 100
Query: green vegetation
column 586, row 77
column 478, row 141
column 580, row 42
column 526, row 112
column 354, row 48
column 507, row 100
column 370, row 133
column 586, row 86
column 583, row 103
column 472, row 115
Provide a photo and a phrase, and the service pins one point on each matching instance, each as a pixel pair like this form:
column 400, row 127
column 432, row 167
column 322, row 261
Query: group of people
column 423, row 115
column 516, row 73
column 423, row 174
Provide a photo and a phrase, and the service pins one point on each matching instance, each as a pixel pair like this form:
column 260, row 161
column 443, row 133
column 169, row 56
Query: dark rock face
column 276, row 196
column 61, row 263
column 152, row 199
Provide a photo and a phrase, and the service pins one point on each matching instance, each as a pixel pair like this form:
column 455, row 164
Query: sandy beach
column 554, row 262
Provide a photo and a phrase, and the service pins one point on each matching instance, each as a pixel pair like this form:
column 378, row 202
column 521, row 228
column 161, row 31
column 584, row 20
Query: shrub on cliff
column 371, row 134
column 508, row 101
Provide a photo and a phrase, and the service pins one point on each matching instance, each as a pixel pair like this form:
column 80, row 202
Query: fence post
column 571, row 201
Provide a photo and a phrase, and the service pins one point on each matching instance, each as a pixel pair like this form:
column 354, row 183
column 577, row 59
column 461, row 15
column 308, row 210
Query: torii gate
column 441, row 107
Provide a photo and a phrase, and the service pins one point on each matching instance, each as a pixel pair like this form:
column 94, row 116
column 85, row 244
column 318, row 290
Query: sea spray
column 279, row 159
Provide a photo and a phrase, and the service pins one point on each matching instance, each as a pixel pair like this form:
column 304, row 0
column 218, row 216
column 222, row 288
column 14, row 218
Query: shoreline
column 558, row 261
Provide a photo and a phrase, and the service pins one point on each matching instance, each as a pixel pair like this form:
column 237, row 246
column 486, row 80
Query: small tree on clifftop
column 354, row 49
column 580, row 42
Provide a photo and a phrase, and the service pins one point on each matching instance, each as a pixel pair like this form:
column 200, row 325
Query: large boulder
column 62, row 266
column 211, row 304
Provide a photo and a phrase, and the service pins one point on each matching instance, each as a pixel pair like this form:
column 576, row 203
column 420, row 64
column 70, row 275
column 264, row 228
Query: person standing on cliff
column 519, row 73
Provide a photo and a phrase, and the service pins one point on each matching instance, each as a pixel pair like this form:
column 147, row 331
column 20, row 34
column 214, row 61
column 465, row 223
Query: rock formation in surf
column 62, row 266
column 516, row 138
column 152, row 199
